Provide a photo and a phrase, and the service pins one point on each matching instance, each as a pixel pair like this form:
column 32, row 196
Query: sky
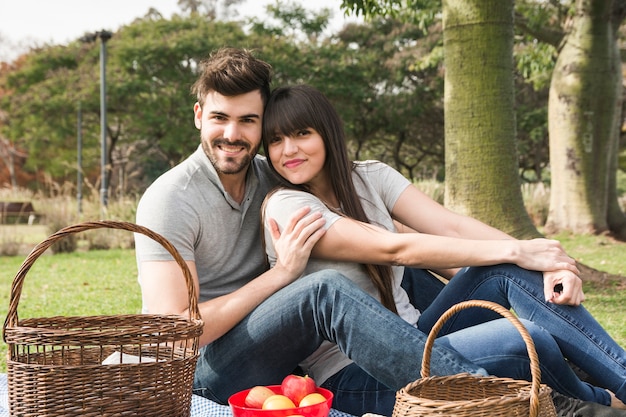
column 24, row 23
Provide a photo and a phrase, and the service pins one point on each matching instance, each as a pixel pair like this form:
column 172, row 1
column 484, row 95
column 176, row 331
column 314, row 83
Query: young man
column 259, row 324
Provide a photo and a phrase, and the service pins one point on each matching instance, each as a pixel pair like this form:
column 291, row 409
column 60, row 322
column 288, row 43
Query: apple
column 314, row 398
column 257, row 396
column 278, row 402
column 297, row 387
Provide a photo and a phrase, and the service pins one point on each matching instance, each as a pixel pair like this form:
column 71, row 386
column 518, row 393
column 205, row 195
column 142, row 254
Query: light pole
column 104, row 37
column 79, row 159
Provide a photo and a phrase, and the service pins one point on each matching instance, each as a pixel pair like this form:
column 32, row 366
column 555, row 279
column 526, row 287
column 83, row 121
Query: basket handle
column 16, row 289
column 530, row 345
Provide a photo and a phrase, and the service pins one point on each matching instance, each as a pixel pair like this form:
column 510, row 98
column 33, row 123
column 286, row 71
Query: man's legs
column 270, row 342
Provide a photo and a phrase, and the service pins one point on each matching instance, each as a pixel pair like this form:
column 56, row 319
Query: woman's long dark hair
column 293, row 108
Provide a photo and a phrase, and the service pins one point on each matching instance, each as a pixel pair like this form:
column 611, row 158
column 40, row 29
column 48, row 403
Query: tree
column 151, row 65
column 384, row 77
column 585, row 95
column 37, row 97
column 211, row 9
column 9, row 154
column 585, row 121
column 368, row 71
column 481, row 156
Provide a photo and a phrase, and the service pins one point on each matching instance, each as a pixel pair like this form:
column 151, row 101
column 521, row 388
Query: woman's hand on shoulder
column 294, row 244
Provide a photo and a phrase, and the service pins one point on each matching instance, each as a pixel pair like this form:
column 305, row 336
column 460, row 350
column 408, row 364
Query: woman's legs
column 498, row 347
column 421, row 286
column 579, row 336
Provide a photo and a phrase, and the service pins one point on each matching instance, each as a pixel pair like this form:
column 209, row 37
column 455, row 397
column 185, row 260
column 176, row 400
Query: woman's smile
column 293, row 163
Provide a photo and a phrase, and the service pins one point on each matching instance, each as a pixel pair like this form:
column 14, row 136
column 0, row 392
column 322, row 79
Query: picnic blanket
column 200, row 406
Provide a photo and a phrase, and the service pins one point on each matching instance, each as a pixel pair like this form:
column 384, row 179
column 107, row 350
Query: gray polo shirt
column 189, row 207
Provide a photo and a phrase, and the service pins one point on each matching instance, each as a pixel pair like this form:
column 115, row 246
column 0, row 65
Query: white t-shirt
column 378, row 186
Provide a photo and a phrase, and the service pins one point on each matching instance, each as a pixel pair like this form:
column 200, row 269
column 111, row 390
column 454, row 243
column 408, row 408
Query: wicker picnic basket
column 55, row 364
column 465, row 395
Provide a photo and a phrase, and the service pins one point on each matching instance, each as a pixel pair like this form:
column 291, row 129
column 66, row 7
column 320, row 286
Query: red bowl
column 236, row 402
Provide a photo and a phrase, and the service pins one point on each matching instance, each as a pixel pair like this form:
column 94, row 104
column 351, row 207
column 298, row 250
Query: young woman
column 363, row 202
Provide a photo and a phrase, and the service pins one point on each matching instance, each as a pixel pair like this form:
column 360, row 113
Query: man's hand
column 294, row 245
column 563, row 287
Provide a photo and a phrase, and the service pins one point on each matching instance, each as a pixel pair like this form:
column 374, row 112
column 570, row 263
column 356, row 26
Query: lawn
column 78, row 284
column 100, row 282
column 605, row 300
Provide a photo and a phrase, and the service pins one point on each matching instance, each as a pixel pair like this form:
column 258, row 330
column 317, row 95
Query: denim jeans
column 289, row 326
column 493, row 343
column 558, row 331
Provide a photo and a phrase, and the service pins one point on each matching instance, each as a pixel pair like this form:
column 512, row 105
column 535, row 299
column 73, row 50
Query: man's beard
column 228, row 166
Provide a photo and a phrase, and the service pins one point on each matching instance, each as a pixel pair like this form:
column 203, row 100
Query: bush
column 9, row 247
column 59, row 208
column 537, row 202
column 434, row 189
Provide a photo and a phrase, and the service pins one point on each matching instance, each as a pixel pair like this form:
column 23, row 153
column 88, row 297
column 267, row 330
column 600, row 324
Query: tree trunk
column 616, row 218
column 585, row 94
column 482, row 178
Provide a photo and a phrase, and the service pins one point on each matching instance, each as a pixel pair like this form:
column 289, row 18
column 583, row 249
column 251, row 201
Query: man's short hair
column 232, row 72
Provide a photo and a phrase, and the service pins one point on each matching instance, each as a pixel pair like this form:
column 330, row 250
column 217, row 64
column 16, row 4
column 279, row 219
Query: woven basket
column 54, row 364
column 468, row 395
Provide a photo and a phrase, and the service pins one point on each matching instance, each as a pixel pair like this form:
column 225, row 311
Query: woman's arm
column 353, row 241
column 446, row 241
column 423, row 214
column 416, row 209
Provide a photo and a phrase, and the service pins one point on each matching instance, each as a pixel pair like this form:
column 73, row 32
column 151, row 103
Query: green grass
column 81, row 283
column 599, row 252
column 76, row 284
column 105, row 282
column 603, row 301
column 606, row 306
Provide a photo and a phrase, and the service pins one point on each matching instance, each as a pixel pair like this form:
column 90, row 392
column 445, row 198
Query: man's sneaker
column 571, row 407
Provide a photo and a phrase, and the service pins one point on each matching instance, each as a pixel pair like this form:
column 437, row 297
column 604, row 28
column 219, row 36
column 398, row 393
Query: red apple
column 297, row 387
column 256, row 396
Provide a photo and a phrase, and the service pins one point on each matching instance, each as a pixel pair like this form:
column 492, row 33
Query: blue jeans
column 337, row 310
column 558, row 331
column 493, row 343
column 290, row 325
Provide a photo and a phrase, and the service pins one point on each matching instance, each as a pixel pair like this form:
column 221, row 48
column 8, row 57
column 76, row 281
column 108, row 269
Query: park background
column 509, row 111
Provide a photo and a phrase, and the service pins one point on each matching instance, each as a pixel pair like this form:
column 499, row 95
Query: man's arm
column 164, row 291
